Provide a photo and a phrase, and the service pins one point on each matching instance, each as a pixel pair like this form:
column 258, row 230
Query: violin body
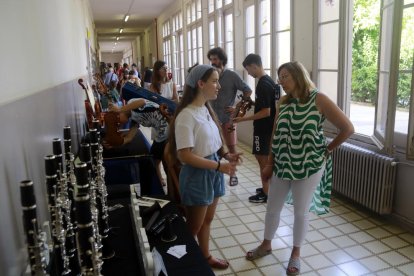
column 241, row 109
column 112, row 134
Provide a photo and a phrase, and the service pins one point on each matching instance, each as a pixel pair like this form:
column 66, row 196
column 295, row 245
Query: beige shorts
column 230, row 137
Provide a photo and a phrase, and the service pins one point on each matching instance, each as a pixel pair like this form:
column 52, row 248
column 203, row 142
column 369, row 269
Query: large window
column 178, row 49
column 220, row 18
column 194, row 33
column 250, row 39
column 265, row 41
column 365, row 51
column 166, row 43
column 281, row 53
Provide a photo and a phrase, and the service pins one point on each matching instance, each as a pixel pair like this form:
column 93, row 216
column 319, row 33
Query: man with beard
column 230, row 83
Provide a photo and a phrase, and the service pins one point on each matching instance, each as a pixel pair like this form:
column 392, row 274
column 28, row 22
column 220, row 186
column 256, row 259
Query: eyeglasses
column 284, row 77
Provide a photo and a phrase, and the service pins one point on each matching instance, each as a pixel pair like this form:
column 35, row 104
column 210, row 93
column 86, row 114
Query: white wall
column 44, row 51
column 43, row 44
column 112, row 57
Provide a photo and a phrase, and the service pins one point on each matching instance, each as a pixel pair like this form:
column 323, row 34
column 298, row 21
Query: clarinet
column 51, row 185
column 66, row 199
column 36, row 245
column 90, row 260
column 85, row 156
column 64, row 204
column 101, row 199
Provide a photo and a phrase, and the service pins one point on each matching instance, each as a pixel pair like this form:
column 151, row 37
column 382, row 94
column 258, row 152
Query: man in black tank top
column 267, row 93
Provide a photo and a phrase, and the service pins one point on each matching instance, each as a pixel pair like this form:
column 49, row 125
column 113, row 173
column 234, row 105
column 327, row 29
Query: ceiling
column 108, row 16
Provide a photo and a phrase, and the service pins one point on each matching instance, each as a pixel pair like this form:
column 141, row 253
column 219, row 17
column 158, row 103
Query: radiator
column 364, row 177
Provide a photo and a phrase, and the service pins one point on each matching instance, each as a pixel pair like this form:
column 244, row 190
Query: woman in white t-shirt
column 196, row 140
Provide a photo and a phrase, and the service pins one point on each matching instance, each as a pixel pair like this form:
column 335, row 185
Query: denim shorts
column 200, row 186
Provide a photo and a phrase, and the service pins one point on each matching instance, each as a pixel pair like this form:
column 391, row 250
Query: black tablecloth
column 128, row 259
column 193, row 263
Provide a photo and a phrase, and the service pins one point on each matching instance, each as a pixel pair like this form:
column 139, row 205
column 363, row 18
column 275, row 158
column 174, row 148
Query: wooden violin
column 112, row 134
column 241, row 109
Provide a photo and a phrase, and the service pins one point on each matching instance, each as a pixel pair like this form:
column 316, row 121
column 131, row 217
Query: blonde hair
column 300, row 76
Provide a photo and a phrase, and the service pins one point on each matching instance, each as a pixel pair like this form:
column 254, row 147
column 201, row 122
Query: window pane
column 199, row 37
column 405, row 82
column 403, row 102
column 265, row 51
column 283, row 15
column 265, row 21
column 382, row 103
column 365, row 41
column 188, row 14
column 229, row 27
column 328, row 84
column 250, row 21
column 250, row 47
column 328, row 47
column 230, row 55
column 283, row 48
column 407, row 39
column 386, row 39
column 210, row 6
column 226, row 2
column 219, row 4
column 194, row 38
column 219, row 31
column 198, row 9
column 329, row 10
column 200, row 55
column 193, row 11
column 211, row 34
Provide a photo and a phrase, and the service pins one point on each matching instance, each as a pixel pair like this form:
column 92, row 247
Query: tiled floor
column 347, row 241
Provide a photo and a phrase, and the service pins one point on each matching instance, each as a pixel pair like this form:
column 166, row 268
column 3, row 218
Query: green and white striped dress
column 299, row 149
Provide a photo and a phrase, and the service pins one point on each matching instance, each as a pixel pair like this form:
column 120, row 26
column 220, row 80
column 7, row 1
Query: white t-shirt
column 194, row 128
column 166, row 90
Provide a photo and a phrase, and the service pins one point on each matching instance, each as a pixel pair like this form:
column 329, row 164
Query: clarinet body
column 87, row 234
column 68, row 192
column 51, row 188
column 36, row 245
column 101, row 196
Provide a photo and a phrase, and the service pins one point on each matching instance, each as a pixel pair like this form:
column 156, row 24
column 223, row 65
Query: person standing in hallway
column 110, row 76
column 165, row 87
column 300, row 159
column 267, row 93
column 195, row 139
column 161, row 84
column 230, row 83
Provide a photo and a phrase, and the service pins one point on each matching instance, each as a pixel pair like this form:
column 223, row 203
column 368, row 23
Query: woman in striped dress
column 299, row 165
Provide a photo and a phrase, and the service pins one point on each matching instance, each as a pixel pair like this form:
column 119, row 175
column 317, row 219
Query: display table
column 193, row 263
column 128, row 259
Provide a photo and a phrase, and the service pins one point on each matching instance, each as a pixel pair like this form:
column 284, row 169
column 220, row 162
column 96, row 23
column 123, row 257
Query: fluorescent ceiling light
column 126, row 18
column 121, row 30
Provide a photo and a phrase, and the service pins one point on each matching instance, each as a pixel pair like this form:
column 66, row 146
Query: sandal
column 256, row 253
column 233, row 180
column 294, row 264
column 217, row 263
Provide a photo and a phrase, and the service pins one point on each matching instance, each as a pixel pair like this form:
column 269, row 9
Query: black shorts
column 261, row 143
column 157, row 149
